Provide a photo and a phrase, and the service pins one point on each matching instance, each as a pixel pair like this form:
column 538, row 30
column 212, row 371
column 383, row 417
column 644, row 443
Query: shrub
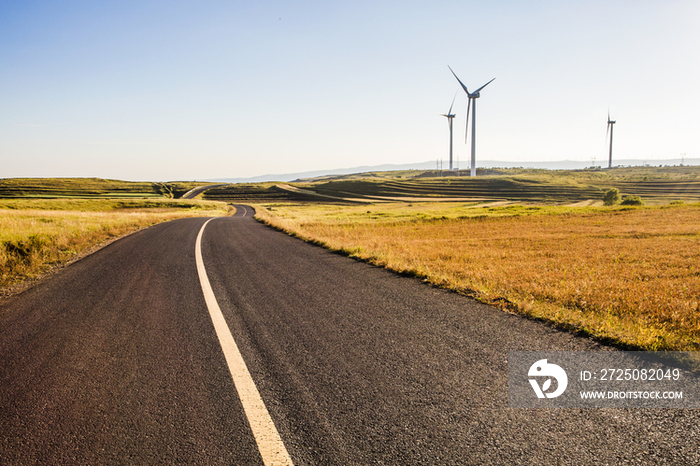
column 611, row 196
column 632, row 200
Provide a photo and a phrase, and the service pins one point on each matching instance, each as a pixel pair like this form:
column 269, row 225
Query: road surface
column 116, row 360
column 194, row 192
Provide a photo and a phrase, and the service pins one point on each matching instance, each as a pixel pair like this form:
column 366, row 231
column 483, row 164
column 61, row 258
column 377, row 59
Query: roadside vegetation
column 626, row 275
column 36, row 235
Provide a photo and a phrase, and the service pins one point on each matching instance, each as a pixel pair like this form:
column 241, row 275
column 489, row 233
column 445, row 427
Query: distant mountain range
column 561, row 165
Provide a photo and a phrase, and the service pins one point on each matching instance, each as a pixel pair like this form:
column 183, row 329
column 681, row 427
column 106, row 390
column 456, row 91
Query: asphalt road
column 115, row 360
column 192, row 193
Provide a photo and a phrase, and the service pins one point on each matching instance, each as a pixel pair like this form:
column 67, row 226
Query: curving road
column 194, row 192
column 116, row 360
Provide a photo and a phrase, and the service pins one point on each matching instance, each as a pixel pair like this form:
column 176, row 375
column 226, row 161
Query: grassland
column 36, row 235
column 625, row 275
column 90, row 188
column 655, row 185
column 258, row 192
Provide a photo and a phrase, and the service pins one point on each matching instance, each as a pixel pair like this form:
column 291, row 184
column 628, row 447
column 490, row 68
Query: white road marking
column 245, row 211
column 270, row 444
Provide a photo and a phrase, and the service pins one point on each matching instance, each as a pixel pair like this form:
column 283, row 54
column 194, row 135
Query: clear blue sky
column 165, row 90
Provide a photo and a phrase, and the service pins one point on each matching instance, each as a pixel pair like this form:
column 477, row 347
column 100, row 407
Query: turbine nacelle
column 472, row 95
column 610, row 122
column 476, row 94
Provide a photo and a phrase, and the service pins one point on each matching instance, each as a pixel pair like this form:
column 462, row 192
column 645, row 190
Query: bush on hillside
column 611, row 196
column 632, row 200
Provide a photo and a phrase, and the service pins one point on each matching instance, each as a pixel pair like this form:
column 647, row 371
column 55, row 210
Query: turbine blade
column 466, row 131
column 460, row 82
column 607, row 130
column 483, row 86
column 453, row 102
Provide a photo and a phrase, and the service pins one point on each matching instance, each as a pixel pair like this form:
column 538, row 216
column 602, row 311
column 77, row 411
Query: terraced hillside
column 653, row 184
column 259, row 192
column 520, row 189
column 46, row 188
column 660, row 189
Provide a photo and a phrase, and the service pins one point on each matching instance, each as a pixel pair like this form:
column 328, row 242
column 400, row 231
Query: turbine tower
column 450, row 116
column 472, row 96
column 610, row 129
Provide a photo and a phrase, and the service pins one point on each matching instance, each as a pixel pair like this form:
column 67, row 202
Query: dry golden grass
column 38, row 235
column 631, row 276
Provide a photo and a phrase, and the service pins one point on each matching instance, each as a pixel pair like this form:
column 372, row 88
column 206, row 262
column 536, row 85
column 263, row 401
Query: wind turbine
column 472, row 96
column 450, row 116
column 609, row 129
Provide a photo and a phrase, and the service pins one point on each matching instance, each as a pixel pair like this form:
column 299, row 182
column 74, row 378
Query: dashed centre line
column 267, row 437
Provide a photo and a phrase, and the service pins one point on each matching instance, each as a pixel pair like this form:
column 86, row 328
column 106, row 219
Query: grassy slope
column 656, row 185
column 258, row 192
column 36, row 235
column 47, row 188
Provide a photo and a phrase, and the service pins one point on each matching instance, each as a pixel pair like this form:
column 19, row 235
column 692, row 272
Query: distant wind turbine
column 472, row 96
column 450, row 116
column 610, row 130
